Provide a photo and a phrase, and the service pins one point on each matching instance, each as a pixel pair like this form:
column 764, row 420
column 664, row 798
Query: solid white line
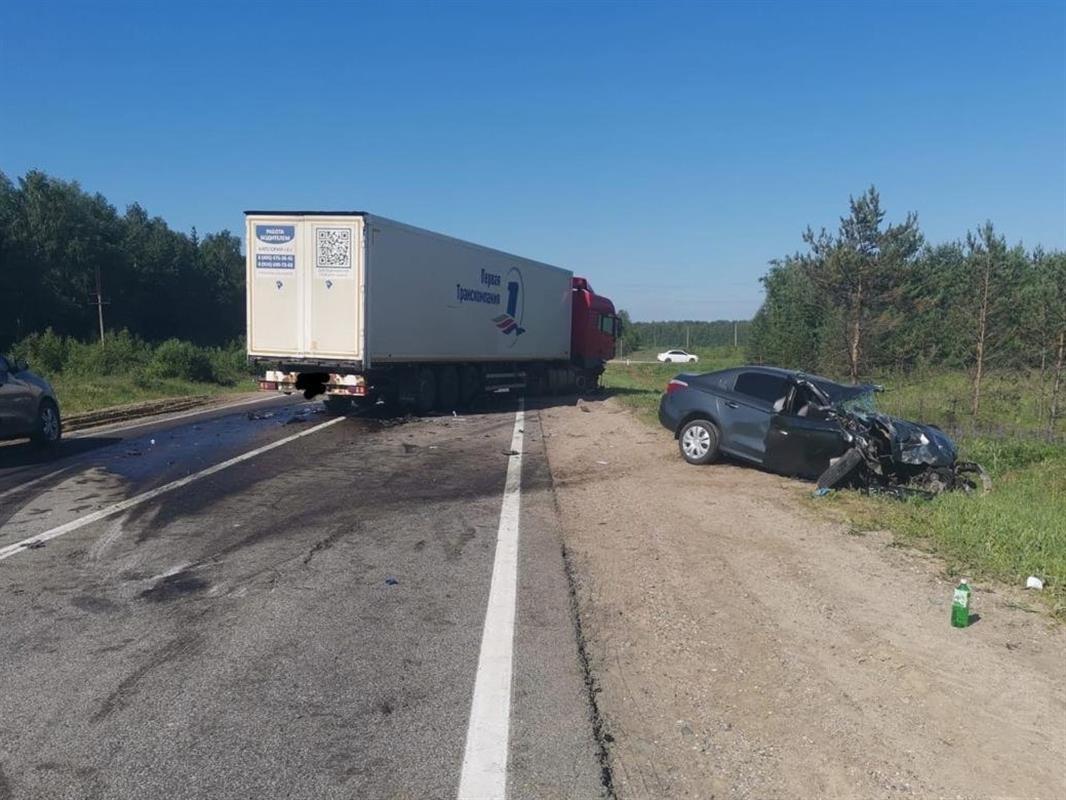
column 81, row 522
column 107, row 427
column 484, row 773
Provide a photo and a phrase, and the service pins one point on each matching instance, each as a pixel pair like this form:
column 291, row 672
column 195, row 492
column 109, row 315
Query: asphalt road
column 303, row 623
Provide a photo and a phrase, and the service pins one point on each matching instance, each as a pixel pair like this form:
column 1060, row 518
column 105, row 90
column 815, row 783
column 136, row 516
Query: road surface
column 268, row 602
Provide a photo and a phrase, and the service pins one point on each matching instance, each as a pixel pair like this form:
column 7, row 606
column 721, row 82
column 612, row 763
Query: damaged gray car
column 811, row 427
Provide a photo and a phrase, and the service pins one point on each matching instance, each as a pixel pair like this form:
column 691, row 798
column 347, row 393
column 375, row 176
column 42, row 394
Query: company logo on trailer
column 275, row 234
column 511, row 322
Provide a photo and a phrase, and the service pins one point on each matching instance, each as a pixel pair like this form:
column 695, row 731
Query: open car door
column 802, row 437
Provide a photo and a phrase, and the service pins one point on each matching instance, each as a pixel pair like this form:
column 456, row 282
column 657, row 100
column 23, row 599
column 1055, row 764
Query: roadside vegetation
column 125, row 369
column 1017, row 530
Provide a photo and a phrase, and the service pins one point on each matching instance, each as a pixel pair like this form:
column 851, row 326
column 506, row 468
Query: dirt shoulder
column 744, row 647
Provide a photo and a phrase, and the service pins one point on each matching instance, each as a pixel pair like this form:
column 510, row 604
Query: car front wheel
column 49, row 427
column 698, row 442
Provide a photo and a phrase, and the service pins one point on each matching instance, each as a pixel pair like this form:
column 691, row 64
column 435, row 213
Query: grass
column 1017, row 530
column 80, row 394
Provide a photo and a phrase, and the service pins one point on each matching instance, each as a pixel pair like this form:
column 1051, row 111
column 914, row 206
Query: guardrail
column 150, row 408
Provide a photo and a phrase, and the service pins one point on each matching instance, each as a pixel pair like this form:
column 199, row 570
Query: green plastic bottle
column 960, row 605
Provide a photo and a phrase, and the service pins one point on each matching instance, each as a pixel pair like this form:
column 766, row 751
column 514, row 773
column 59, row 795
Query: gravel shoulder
column 745, row 648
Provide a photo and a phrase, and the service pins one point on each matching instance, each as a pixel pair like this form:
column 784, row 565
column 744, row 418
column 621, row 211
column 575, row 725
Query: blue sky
column 666, row 151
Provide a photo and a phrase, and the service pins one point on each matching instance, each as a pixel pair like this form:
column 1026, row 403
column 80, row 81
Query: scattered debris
column 604, row 463
column 822, row 492
column 151, row 442
column 134, row 453
column 1033, row 582
column 254, row 415
column 408, row 447
column 36, row 544
column 510, row 452
column 391, row 582
column 584, row 407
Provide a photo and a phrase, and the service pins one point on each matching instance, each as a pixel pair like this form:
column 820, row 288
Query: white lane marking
column 81, row 522
column 485, row 757
column 161, row 418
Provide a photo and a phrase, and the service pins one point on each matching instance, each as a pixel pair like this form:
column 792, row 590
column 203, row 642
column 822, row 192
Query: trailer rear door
column 305, row 286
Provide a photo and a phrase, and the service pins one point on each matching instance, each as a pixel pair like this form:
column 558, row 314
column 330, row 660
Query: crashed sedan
column 810, row 427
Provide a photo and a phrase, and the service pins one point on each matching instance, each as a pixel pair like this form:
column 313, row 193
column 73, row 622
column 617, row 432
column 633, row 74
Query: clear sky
column 666, row 151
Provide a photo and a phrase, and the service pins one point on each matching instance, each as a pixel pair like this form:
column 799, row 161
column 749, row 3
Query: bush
column 46, row 352
column 117, row 354
column 230, row 363
column 177, row 359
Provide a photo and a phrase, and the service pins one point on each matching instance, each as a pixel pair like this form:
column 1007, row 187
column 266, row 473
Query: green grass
column 1012, row 403
column 80, row 394
column 1017, row 530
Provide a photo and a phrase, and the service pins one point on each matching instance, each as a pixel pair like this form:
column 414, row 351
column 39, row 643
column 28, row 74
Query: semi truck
column 359, row 309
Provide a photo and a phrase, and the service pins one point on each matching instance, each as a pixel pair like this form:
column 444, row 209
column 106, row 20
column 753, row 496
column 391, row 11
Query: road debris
column 254, row 415
column 1033, row 582
column 391, row 582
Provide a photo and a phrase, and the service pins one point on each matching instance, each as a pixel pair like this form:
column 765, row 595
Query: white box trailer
column 353, row 300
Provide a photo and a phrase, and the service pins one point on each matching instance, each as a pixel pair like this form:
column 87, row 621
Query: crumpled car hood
column 913, row 443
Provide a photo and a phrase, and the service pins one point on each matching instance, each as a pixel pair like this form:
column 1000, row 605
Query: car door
column 745, row 413
column 802, row 446
column 15, row 399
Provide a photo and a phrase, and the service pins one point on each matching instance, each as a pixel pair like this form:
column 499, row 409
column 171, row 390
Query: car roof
column 826, row 384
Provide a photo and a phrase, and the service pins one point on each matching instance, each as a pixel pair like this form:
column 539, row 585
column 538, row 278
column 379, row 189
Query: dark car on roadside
column 29, row 408
column 780, row 419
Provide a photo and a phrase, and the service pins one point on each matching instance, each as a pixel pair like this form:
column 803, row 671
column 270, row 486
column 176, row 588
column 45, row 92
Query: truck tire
column 447, row 388
column 336, row 404
column 469, row 384
column 48, row 429
column 425, row 391
column 698, row 441
column 842, row 470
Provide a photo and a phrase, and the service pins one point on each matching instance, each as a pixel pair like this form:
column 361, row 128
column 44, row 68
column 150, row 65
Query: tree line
column 874, row 296
column 689, row 334
column 56, row 240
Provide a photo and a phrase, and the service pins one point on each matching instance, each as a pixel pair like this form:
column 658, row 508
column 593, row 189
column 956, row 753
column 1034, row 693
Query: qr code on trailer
column 334, row 249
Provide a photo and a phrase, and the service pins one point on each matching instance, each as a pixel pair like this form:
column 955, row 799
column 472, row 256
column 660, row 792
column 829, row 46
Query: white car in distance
column 677, row 356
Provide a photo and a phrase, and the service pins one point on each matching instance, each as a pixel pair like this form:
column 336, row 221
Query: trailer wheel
column 425, row 391
column 447, row 388
column 469, row 384
column 337, row 404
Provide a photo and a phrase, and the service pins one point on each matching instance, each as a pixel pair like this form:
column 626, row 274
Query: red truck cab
column 594, row 326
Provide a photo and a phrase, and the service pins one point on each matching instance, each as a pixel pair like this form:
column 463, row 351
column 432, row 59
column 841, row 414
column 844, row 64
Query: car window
column 606, row 324
column 759, row 385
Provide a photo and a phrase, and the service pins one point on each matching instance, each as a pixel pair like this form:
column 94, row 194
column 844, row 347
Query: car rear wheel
column 698, row 442
column 49, row 427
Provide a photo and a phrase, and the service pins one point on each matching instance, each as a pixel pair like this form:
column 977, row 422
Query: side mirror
column 21, row 365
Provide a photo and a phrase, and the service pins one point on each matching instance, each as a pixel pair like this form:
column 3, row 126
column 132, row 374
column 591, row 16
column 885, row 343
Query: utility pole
column 734, row 334
column 687, row 329
column 100, row 303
